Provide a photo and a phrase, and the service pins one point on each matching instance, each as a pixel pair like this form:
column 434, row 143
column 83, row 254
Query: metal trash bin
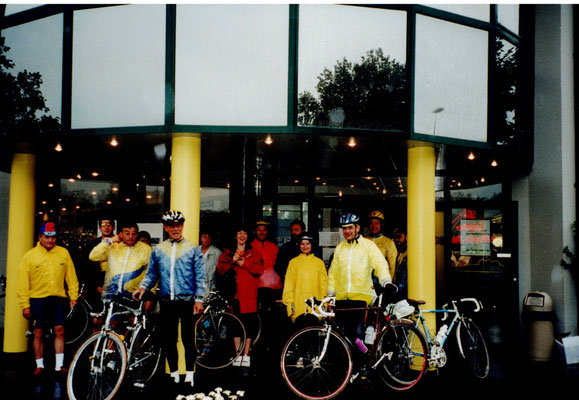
column 538, row 319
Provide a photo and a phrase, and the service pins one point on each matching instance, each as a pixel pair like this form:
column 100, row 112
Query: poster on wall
column 475, row 237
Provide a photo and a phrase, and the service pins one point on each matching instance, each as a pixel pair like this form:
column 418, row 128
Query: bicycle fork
column 316, row 362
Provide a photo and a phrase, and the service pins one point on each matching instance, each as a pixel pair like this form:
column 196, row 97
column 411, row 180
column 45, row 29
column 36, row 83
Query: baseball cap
column 48, row 229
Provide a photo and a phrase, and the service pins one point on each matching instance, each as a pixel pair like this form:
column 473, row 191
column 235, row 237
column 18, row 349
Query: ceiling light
column 58, row 147
column 494, row 163
column 114, row 142
column 352, row 142
column 51, row 185
column 71, row 180
column 268, row 140
column 95, row 174
column 471, row 156
column 115, row 189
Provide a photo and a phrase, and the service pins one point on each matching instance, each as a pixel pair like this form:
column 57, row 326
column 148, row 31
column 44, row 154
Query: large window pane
column 351, row 71
column 16, row 8
column 451, row 80
column 508, row 16
column 232, row 65
column 37, row 47
column 119, row 67
column 477, row 11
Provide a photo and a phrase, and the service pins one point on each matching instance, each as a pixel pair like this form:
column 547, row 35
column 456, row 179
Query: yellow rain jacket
column 126, row 266
column 306, row 277
column 350, row 274
column 42, row 273
column 388, row 249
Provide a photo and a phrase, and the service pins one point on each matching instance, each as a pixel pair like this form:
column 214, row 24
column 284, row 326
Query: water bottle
column 441, row 334
column 369, row 338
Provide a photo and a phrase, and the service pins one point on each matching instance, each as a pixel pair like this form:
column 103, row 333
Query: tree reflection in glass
column 506, row 70
column 369, row 94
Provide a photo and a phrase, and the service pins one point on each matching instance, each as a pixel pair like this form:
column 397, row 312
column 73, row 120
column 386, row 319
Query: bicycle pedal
column 140, row 385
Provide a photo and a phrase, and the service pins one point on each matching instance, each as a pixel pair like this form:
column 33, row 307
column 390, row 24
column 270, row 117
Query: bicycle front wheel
column 77, row 323
column 219, row 340
column 311, row 374
column 144, row 357
column 97, row 369
column 472, row 348
column 400, row 355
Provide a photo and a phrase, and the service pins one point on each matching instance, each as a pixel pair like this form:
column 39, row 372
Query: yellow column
column 186, row 193
column 186, row 181
column 20, row 240
column 421, row 227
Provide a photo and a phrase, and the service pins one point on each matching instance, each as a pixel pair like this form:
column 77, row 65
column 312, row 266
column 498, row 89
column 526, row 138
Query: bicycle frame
column 436, row 354
column 329, row 324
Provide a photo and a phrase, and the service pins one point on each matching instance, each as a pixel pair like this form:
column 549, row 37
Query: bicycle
column 219, row 335
column 100, row 364
column 78, row 321
column 471, row 344
column 317, row 361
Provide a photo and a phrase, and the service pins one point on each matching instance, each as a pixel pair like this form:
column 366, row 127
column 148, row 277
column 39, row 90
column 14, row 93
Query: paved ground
column 510, row 374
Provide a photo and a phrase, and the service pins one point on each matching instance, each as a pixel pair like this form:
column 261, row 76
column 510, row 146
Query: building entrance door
column 481, row 261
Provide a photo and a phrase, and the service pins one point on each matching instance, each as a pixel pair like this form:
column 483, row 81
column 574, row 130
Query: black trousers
column 171, row 312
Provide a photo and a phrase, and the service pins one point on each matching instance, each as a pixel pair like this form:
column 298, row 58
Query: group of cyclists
column 255, row 275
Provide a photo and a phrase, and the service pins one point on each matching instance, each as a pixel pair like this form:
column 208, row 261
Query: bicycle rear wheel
column 144, row 357
column 306, row 374
column 472, row 348
column 401, row 355
column 97, row 369
column 214, row 340
column 77, row 323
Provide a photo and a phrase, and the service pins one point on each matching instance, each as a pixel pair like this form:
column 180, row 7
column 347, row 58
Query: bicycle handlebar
column 317, row 306
column 477, row 303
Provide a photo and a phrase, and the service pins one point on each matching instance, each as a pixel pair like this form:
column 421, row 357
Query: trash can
column 538, row 318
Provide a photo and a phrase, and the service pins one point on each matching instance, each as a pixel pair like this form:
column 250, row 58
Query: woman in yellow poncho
column 306, row 277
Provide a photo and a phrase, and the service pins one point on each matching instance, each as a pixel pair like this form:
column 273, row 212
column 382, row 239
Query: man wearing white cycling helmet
column 177, row 264
column 350, row 276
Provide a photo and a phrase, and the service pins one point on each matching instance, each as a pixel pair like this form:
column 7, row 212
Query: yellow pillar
column 20, row 240
column 421, row 227
column 186, row 181
column 186, row 193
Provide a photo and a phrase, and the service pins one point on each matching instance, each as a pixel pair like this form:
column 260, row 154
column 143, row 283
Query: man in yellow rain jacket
column 350, row 277
column 127, row 258
column 384, row 243
column 42, row 294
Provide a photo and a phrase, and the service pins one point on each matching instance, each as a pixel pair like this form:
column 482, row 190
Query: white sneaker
column 237, row 361
column 245, row 362
column 189, row 378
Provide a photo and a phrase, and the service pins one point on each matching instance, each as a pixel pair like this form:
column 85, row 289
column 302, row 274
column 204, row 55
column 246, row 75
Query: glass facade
column 405, row 72
column 118, row 67
column 227, row 71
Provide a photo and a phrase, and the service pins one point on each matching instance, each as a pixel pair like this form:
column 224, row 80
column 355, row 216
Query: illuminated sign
column 475, row 237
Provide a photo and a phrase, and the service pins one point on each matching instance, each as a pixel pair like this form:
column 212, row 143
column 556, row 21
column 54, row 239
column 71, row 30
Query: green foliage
column 23, row 112
column 370, row 94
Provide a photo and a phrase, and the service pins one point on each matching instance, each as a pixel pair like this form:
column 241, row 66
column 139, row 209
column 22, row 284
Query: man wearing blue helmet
column 350, row 276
